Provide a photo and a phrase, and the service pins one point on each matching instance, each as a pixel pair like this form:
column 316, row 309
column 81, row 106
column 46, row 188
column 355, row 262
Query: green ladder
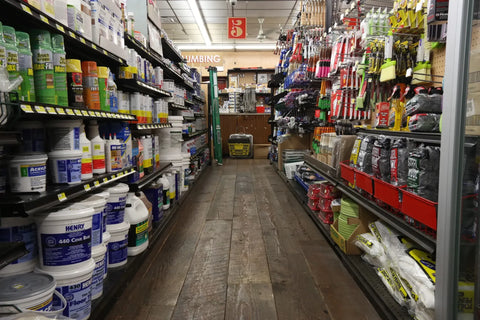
column 217, row 135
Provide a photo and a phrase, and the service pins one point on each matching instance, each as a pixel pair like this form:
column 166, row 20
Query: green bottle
column 60, row 70
column 43, row 66
column 12, row 53
column 3, row 51
column 25, row 65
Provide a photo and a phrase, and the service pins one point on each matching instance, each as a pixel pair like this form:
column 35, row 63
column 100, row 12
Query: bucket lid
column 102, row 72
column 118, row 188
column 105, row 194
column 76, row 271
column 30, row 157
column 118, row 227
column 93, row 201
column 106, row 237
column 25, row 286
column 99, row 250
column 67, row 212
column 65, row 154
column 74, row 65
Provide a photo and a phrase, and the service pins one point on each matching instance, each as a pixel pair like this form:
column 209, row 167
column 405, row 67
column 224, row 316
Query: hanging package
column 381, row 158
column 425, row 122
column 423, row 171
column 424, row 103
column 364, row 162
column 399, row 162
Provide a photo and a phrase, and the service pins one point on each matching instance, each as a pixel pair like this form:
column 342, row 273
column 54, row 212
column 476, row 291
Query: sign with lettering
column 213, row 59
column 237, row 28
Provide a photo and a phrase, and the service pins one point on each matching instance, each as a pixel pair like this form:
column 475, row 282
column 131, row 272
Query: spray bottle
column 25, row 65
column 60, row 70
column 12, row 53
column 43, row 66
column 86, row 147
column 97, row 148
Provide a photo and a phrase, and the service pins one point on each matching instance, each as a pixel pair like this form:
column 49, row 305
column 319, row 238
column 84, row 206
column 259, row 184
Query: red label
column 98, row 164
column 87, row 168
column 237, row 28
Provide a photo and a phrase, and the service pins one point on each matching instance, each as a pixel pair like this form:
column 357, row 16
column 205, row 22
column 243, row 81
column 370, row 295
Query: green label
column 24, row 171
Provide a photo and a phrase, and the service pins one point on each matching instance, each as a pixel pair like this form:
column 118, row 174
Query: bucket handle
column 13, row 309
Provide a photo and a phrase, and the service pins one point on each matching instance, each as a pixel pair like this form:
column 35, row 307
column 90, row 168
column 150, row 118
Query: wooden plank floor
column 242, row 247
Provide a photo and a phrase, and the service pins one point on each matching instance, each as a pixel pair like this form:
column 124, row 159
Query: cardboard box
column 348, row 245
column 260, row 151
column 293, row 142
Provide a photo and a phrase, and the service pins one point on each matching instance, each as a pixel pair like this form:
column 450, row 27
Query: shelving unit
column 177, row 106
column 170, row 52
column 150, row 126
column 199, row 152
column 195, row 134
column 147, row 179
column 131, row 85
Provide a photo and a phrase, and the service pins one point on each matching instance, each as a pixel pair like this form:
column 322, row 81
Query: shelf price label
column 94, row 46
column 98, row 114
column 71, row 34
column 113, row 177
column 78, row 112
column 26, row 9
column 96, row 183
column 91, row 113
column 61, row 197
column 70, row 112
column 104, row 114
column 120, row 174
column 87, row 187
column 60, row 28
column 51, row 110
column 105, row 52
column 105, row 180
column 82, row 40
column 40, row 109
column 109, row 115
column 85, row 113
column 60, row 111
column 44, row 19
column 26, row 108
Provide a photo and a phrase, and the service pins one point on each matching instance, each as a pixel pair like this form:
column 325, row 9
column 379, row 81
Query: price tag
column 44, row 19
column 117, row 116
column 94, row 46
column 85, row 113
column 40, row 109
column 120, row 174
column 104, row 114
column 51, row 110
column 26, row 108
column 105, row 180
column 98, row 114
column 96, row 183
column 60, row 111
column 113, row 177
column 70, row 112
column 91, row 113
column 78, row 113
column 87, row 187
column 82, row 40
column 60, row 28
column 132, row 170
column 105, row 52
column 109, row 115
column 61, row 197
column 71, row 34
column 26, row 9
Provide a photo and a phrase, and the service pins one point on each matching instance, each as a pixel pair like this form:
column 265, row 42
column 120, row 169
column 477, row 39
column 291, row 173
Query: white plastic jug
column 137, row 215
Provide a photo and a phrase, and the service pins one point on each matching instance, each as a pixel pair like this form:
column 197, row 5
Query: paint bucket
column 28, row 172
column 14, row 229
column 98, row 255
column 105, row 195
column 28, row 291
column 33, row 136
column 64, row 237
column 64, row 135
column 116, row 203
column 118, row 245
column 106, row 241
column 98, row 204
column 65, row 166
column 75, row 286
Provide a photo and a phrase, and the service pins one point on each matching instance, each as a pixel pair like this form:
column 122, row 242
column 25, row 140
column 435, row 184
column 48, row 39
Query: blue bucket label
column 116, row 211
column 97, row 228
column 78, row 296
column 27, row 234
column 97, row 278
column 118, row 251
column 76, row 138
column 105, row 262
column 69, row 170
column 71, row 247
column 33, row 170
column 104, row 220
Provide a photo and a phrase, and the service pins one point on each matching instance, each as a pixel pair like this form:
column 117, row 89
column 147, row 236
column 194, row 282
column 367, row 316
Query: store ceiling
column 179, row 22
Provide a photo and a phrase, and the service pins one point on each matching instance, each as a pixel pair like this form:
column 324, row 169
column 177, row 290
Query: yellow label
column 424, row 260
column 40, row 109
column 62, row 196
column 104, row 114
column 82, row 40
column 98, row 114
column 71, row 34
column 51, row 110
column 96, row 183
column 105, row 180
column 44, row 19
column 59, row 27
column 109, row 115
column 87, row 187
column 60, row 111
column 91, row 113
column 85, row 149
column 26, row 108
column 157, row 157
column 30, row 72
column 105, row 52
column 113, row 177
column 94, row 46
column 141, row 227
column 78, row 113
column 26, row 9
column 147, row 163
column 59, row 69
column 70, row 112
column 85, row 113
column 120, row 174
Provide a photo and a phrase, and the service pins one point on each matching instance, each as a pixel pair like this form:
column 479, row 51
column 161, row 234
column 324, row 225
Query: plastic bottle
column 137, row 215
column 166, row 191
column 3, row 51
column 12, row 53
column 75, row 83
column 112, row 92
column 147, row 154
column 136, row 175
column 86, row 147
column 156, row 151
column 90, row 85
column 97, row 148
column 114, row 150
column 43, row 66
column 60, row 70
column 25, row 67
column 102, row 88
column 131, row 24
column 149, row 207
column 171, row 182
column 141, row 154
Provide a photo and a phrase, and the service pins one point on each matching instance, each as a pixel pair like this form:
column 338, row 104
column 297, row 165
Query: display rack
column 426, row 137
column 56, row 194
column 150, row 126
column 147, row 179
column 132, row 85
column 199, row 152
column 176, row 106
column 194, row 134
column 169, row 52
column 198, row 98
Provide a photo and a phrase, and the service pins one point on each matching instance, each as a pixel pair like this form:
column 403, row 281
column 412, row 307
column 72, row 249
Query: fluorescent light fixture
column 200, row 22
column 254, row 46
column 204, row 47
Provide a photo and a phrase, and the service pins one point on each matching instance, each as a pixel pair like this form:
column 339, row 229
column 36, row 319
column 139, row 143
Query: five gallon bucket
column 19, row 229
column 98, row 204
column 33, row 136
column 98, row 255
column 106, row 241
column 66, row 166
column 116, row 203
column 105, row 195
column 75, row 286
column 28, row 291
column 118, row 245
column 64, row 135
column 28, row 172
column 64, row 238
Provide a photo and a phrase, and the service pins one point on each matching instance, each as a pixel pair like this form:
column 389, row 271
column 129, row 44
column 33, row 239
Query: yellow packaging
column 465, row 296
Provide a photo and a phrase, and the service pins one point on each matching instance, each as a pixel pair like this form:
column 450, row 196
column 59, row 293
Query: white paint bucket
column 64, row 135
column 116, row 203
column 106, row 241
column 98, row 255
column 64, row 237
column 28, row 172
column 75, row 286
column 118, row 245
column 33, row 136
column 97, row 203
column 28, row 291
column 105, row 195
column 19, row 229
column 65, row 166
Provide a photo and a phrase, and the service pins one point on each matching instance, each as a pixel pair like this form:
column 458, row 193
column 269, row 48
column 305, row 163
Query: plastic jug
column 137, row 215
column 149, row 206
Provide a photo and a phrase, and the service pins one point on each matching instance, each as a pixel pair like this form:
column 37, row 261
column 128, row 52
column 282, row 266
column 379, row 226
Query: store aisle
column 241, row 247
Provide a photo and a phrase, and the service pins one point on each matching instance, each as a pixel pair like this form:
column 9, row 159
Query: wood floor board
column 250, row 301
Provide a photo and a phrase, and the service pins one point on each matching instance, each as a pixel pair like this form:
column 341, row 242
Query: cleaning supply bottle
column 12, row 53
column 136, row 175
column 90, row 85
column 165, row 191
column 43, row 66
column 112, row 92
column 140, row 158
column 147, row 154
column 115, row 149
column 171, row 182
column 86, row 147
column 75, row 83
column 60, row 70
column 102, row 88
column 137, row 215
column 149, row 207
column 25, row 67
column 3, row 51
column 97, row 148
